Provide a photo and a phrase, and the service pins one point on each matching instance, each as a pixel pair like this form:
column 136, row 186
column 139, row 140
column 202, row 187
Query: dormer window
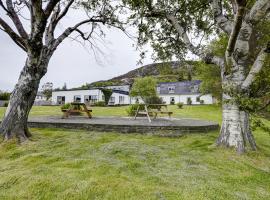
column 171, row 89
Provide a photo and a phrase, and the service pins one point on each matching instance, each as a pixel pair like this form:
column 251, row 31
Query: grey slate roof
column 184, row 87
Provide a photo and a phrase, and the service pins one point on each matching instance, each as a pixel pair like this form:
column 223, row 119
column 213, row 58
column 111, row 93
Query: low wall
column 154, row 130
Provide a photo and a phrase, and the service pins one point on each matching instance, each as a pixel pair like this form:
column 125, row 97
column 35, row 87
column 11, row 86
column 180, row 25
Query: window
column 112, row 100
column 121, row 99
column 61, row 100
column 87, row 98
column 171, row 89
column 77, row 98
column 172, row 100
column 198, row 99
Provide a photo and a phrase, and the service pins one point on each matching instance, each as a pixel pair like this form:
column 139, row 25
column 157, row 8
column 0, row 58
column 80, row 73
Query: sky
column 72, row 63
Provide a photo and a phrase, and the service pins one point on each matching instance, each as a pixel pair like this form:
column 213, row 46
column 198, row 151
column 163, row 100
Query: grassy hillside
column 67, row 164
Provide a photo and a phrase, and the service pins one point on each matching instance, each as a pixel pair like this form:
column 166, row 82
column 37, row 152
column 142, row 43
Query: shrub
column 201, row 101
column 66, row 106
column 172, row 102
column 180, row 105
column 153, row 100
column 131, row 110
column 100, row 104
column 5, row 104
column 4, row 96
column 189, row 101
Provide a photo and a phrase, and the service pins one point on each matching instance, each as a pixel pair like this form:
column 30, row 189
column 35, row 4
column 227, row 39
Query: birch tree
column 38, row 38
column 168, row 25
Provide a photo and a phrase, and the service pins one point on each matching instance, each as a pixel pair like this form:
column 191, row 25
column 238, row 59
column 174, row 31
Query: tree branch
column 235, row 31
column 206, row 57
column 256, row 67
column 56, row 17
column 14, row 36
column 223, row 22
column 50, row 6
column 70, row 30
column 16, row 20
column 259, row 10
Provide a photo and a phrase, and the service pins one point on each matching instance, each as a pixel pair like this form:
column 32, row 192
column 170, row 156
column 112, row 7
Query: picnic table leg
column 149, row 119
column 87, row 112
column 65, row 115
column 137, row 112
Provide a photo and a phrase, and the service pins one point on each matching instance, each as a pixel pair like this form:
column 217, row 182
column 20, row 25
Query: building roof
column 184, row 87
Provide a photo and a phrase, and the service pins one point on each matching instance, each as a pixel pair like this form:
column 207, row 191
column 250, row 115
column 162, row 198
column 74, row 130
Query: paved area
column 184, row 122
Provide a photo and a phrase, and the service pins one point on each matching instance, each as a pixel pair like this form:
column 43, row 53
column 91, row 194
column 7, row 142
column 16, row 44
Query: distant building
column 120, row 96
column 171, row 93
column 183, row 92
column 41, row 100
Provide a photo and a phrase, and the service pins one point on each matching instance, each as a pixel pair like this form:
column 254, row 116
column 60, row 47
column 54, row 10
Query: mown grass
column 208, row 112
column 61, row 164
column 71, row 164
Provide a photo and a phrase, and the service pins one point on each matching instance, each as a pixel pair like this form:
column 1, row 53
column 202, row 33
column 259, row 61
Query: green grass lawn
column 208, row 112
column 66, row 164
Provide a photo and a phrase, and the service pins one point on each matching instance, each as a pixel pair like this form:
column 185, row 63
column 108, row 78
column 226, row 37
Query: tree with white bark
column 169, row 25
column 32, row 25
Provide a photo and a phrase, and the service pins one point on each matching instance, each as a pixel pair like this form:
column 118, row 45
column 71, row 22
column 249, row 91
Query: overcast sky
column 72, row 63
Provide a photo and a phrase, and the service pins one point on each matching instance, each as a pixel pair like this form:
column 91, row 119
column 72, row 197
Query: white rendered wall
column 69, row 95
column 208, row 99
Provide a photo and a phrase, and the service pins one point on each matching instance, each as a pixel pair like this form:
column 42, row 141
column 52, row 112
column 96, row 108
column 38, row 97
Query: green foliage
column 100, row 104
column 165, row 69
column 66, row 106
column 156, row 30
column 4, row 96
column 105, row 83
column 144, row 88
column 153, row 100
column 211, row 81
column 218, row 46
column 6, row 104
column 180, row 105
column 47, row 93
column 107, row 94
column 131, row 110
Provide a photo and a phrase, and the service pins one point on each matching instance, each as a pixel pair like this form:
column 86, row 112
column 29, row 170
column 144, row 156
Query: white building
column 186, row 92
column 91, row 96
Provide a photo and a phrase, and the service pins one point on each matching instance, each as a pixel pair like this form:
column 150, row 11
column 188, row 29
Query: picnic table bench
column 76, row 108
column 152, row 109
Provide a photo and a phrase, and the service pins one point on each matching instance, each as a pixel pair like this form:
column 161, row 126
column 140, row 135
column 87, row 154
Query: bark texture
column 39, row 44
column 14, row 124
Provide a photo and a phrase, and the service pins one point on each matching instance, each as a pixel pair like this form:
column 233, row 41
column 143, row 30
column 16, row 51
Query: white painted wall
column 69, row 95
column 121, row 99
column 208, row 99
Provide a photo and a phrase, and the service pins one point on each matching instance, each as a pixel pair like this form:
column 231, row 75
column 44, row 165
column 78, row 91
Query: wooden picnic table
column 77, row 107
column 155, row 109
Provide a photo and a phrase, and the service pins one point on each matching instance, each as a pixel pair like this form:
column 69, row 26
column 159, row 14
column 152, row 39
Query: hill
column 164, row 72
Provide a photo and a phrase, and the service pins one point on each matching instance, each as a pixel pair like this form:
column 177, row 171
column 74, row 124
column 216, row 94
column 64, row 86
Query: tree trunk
column 235, row 130
column 14, row 124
